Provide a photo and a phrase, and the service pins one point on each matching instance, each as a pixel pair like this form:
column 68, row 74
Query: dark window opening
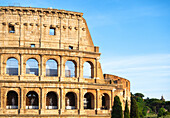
column 12, row 100
column 115, row 82
column 52, row 31
column 123, row 93
column 32, row 45
column 88, row 101
column 32, row 101
column 51, row 101
column 70, row 100
column 11, row 29
column 70, row 47
column 105, row 101
column 126, row 84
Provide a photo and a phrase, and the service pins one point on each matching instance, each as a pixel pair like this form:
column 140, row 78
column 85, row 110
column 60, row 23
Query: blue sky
column 133, row 36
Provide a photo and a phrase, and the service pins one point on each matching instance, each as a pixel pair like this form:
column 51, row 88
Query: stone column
column 80, row 70
column 41, row 30
column 0, row 64
column 43, row 99
column 81, row 101
column 21, row 44
column 41, row 67
column 40, row 101
column 1, row 99
column 60, row 17
column 97, row 107
column 62, row 101
column 112, row 97
column 22, row 100
column 61, row 68
column 21, row 64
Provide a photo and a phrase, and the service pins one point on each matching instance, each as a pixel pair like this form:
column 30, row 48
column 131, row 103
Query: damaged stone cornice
column 40, row 11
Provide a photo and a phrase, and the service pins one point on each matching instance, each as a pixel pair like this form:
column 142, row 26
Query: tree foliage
column 126, row 112
column 117, row 108
column 161, row 112
column 139, row 95
column 134, row 108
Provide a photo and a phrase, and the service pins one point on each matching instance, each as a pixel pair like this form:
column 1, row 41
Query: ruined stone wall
column 24, row 35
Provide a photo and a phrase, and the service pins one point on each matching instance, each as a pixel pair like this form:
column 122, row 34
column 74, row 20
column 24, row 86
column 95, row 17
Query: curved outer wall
column 71, row 41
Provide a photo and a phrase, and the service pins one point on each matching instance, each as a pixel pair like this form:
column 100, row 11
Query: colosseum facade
column 49, row 67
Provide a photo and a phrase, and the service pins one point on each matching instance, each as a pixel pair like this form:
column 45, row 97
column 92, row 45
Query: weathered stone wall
column 32, row 26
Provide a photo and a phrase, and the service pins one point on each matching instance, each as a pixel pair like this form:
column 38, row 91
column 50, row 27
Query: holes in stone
column 32, row 45
column 11, row 29
column 70, row 47
column 52, row 31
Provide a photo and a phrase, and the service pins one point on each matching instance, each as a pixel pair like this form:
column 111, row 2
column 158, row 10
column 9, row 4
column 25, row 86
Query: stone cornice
column 47, row 51
column 39, row 11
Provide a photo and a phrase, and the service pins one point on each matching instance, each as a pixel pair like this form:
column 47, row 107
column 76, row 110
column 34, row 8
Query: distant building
column 162, row 98
column 49, row 67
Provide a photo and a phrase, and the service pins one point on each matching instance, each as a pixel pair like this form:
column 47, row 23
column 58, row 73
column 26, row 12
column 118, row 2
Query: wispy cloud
column 147, row 73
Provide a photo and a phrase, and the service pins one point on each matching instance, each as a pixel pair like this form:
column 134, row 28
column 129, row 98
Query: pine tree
column 126, row 112
column 117, row 108
column 134, row 109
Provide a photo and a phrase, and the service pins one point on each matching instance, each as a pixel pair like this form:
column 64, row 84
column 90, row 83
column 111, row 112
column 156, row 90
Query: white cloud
column 147, row 73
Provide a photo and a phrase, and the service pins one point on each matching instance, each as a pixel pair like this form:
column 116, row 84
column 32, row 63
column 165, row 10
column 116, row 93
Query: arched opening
column 88, row 70
column 88, row 101
column 71, row 100
column 12, row 100
column 51, row 68
column 70, row 70
column 124, row 93
column 32, row 67
column 51, row 100
column 32, row 100
column 12, row 66
column 105, row 101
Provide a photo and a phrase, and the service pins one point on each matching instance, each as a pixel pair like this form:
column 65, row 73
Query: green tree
column 161, row 112
column 126, row 112
column 117, row 108
column 141, row 105
column 139, row 95
column 134, row 108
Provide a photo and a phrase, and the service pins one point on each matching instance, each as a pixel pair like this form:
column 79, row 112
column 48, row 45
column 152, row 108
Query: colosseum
column 49, row 67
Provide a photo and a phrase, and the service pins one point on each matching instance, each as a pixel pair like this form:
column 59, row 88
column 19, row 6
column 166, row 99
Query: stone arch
column 88, row 70
column 51, row 67
column 32, row 66
column 88, row 101
column 70, row 68
column 12, row 66
column 51, row 100
column 12, row 100
column 32, row 100
column 71, row 100
column 105, row 101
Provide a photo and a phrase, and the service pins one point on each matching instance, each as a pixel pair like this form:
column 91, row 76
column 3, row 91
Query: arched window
column 32, row 67
column 51, row 100
column 88, row 70
column 71, row 100
column 70, row 70
column 51, row 68
column 88, row 101
column 32, row 100
column 105, row 101
column 12, row 66
column 12, row 100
